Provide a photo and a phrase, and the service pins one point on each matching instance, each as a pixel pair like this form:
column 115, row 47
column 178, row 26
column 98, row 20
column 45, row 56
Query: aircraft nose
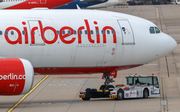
column 172, row 43
column 165, row 44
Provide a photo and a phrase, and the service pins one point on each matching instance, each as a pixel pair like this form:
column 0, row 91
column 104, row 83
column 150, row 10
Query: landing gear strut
column 108, row 76
column 108, row 79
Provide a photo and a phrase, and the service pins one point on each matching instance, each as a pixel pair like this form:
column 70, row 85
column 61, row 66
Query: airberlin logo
column 12, row 76
column 67, row 38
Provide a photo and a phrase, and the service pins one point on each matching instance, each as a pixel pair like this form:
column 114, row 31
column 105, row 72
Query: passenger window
column 91, row 31
column 6, row 32
column 75, row 32
column 80, row 32
column 86, row 32
column 63, row 32
column 108, row 32
column 102, row 31
column 0, row 32
column 69, row 32
column 112, row 31
column 97, row 32
column 12, row 33
column 23, row 32
column 152, row 30
column 157, row 30
column 57, row 32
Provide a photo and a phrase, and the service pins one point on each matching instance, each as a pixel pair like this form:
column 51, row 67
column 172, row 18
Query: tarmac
column 60, row 93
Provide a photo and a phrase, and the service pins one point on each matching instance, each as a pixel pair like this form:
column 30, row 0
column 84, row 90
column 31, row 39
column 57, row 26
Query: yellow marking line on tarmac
column 27, row 94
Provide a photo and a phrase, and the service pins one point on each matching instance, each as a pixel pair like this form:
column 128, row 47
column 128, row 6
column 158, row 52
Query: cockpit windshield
column 154, row 30
column 157, row 30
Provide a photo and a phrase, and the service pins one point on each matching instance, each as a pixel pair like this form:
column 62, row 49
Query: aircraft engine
column 16, row 76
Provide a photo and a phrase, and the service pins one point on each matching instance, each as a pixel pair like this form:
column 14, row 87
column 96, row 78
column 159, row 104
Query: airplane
column 74, row 42
column 30, row 4
column 91, row 4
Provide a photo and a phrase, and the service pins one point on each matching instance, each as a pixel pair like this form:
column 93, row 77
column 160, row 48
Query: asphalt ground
column 60, row 93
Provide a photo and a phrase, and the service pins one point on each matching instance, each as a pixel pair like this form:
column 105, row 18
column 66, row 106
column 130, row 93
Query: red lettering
column 65, row 38
column 26, row 35
column 79, row 35
column 32, row 34
column 89, row 31
column 55, row 35
column 97, row 34
column 62, row 37
column 19, row 39
column 104, row 35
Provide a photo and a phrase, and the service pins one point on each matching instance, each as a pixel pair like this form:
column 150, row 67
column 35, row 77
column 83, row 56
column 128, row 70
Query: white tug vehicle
column 138, row 86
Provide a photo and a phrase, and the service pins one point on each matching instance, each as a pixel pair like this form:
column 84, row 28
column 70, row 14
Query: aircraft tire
column 86, row 99
column 145, row 93
column 120, row 95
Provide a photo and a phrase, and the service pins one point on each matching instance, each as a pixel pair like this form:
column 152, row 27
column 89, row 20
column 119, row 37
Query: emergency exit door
column 127, row 32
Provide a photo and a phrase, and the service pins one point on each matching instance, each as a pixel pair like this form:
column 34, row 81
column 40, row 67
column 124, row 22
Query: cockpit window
column 157, row 30
column 152, row 30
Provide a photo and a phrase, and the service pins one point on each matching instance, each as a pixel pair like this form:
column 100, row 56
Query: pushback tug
column 138, row 86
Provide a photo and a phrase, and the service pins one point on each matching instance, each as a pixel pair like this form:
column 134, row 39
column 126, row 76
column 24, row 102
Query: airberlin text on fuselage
column 12, row 76
column 61, row 35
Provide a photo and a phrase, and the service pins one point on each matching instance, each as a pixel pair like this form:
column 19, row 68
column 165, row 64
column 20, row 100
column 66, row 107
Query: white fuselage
column 53, row 39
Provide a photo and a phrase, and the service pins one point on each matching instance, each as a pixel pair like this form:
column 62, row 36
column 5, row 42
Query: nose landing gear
column 108, row 79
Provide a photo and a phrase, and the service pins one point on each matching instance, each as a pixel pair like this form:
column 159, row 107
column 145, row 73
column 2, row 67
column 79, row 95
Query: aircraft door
column 127, row 32
column 36, row 28
column 43, row 1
